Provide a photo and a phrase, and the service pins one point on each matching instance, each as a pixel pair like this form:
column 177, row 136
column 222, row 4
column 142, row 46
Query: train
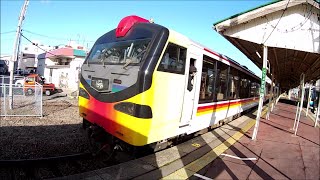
column 146, row 85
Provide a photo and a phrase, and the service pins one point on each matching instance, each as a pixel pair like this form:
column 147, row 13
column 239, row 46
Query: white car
column 19, row 82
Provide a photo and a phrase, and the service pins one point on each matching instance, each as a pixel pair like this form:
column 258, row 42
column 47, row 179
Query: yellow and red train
column 144, row 84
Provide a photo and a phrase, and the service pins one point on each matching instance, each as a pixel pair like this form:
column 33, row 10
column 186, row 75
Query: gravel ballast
column 59, row 132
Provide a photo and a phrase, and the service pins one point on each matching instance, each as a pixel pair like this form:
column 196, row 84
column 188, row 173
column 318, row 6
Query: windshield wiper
column 127, row 63
column 127, row 53
column 130, row 50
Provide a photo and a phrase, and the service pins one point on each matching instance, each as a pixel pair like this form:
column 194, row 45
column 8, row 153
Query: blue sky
column 85, row 21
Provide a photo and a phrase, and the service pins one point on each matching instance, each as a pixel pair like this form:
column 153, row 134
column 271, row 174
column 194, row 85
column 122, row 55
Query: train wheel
column 94, row 146
column 97, row 141
column 85, row 123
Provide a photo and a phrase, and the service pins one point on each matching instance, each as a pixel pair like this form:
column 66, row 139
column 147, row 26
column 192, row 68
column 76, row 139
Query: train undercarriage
column 101, row 141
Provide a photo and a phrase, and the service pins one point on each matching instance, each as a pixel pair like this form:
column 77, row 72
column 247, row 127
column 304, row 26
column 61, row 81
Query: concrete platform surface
column 280, row 154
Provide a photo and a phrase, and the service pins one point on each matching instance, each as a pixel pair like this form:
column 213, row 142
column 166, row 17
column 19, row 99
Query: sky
column 56, row 22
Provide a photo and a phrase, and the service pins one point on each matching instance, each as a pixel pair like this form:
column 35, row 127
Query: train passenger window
column 207, row 80
column 173, row 60
column 249, row 86
column 233, row 83
column 258, row 90
column 244, row 86
column 221, row 83
column 254, row 90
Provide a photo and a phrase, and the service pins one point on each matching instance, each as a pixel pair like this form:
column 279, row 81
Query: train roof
column 127, row 22
column 222, row 56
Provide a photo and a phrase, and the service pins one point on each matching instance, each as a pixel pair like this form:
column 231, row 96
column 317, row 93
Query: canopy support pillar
column 262, row 91
column 296, row 125
column 318, row 113
column 275, row 95
column 309, row 98
column 270, row 103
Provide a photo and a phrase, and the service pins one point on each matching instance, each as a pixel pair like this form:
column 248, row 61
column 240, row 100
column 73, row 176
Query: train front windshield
column 121, row 67
column 130, row 52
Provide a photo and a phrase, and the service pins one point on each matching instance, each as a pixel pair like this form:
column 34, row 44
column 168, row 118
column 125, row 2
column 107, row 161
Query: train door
column 194, row 58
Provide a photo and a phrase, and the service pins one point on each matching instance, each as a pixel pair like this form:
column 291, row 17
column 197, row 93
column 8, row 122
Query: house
column 27, row 61
column 62, row 66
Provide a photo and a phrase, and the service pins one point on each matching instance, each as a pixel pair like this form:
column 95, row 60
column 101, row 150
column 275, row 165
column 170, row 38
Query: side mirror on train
column 190, row 85
column 192, row 71
column 190, row 82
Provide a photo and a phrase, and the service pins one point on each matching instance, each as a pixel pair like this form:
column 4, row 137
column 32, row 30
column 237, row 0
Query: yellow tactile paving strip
column 200, row 163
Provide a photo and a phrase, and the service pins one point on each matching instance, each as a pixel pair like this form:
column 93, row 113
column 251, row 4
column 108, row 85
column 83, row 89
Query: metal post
column 295, row 119
column 274, row 97
column 309, row 98
column 4, row 98
column 262, row 89
column 270, row 96
column 41, row 108
column 278, row 94
column 289, row 94
column 16, row 49
column 317, row 114
column 301, row 104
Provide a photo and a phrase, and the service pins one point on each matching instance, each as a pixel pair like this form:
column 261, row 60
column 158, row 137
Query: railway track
column 59, row 166
column 51, row 167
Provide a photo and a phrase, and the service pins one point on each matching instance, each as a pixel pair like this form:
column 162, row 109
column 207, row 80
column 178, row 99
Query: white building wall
column 49, row 62
column 75, row 67
column 42, row 68
column 62, row 77
column 32, row 49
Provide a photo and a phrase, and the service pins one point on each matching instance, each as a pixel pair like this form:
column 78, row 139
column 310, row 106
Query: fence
column 24, row 104
column 4, row 79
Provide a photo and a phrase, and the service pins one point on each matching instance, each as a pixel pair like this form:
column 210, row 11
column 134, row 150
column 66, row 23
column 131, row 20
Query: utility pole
column 16, row 49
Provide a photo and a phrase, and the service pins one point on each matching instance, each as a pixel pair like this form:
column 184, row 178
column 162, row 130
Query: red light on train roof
column 126, row 23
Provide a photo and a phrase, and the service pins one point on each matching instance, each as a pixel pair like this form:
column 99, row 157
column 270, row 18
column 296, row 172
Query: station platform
column 229, row 153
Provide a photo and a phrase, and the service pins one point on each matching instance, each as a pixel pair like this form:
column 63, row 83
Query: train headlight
column 136, row 110
column 100, row 84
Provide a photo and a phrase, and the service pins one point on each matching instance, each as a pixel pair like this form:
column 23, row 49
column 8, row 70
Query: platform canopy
column 290, row 29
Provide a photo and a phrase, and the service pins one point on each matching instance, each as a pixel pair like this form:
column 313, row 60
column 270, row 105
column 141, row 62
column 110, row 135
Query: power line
column 7, row 32
column 277, row 22
column 38, row 46
column 50, row 37
column 44, row 35
column 5, row 56
column 6, row 39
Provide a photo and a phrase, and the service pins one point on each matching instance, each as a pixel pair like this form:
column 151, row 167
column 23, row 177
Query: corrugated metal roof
column 236, row 15
column 287, row 61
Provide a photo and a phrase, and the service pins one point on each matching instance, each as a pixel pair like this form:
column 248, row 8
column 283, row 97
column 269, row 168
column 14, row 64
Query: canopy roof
column 290, row 29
